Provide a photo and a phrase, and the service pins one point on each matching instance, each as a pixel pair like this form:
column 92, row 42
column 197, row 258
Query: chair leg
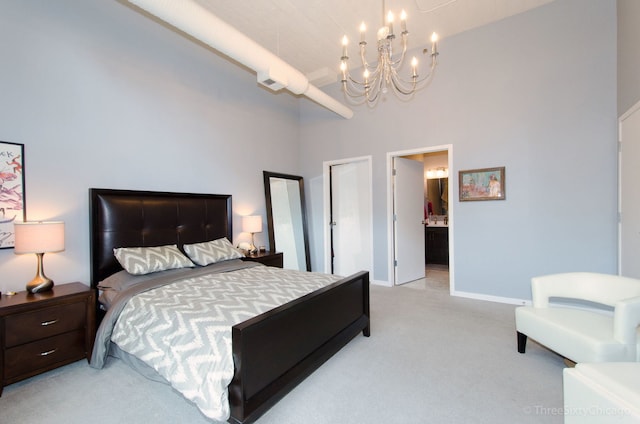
column 522, row 342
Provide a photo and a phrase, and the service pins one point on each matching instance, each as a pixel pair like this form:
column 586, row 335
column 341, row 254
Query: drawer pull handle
column 49, row 352
column 45, row 323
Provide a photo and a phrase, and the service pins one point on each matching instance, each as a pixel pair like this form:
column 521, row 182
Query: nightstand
column 43, row 331
column 267, row 258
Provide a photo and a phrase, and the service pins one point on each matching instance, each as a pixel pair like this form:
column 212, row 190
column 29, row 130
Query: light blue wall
column 535, row 93
column 628, row 57
column 102, row 96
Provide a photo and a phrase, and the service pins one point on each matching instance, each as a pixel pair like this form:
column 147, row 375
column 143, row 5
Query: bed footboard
column 275, row 351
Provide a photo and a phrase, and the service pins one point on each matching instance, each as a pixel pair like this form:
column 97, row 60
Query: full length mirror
column 287, row 219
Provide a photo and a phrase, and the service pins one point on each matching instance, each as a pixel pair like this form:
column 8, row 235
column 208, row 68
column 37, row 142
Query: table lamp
column 252, row 224
column 39, row 237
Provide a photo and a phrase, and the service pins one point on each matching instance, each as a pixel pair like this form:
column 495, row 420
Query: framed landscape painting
column 482, row 184
column 12, row 207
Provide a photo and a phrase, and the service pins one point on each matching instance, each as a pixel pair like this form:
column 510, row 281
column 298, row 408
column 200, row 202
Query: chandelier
column 377, row 79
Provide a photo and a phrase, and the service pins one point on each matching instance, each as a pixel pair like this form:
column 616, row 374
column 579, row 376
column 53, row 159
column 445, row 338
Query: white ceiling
column 307, row 34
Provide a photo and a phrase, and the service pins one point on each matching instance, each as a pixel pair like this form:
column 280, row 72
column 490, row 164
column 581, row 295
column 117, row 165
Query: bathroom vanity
column 436, row 239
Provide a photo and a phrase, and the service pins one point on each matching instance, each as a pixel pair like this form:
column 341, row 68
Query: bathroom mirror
column 287, row 219
column 437, row 195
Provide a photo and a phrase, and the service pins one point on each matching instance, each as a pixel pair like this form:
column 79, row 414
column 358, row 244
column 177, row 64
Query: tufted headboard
column 129, row 218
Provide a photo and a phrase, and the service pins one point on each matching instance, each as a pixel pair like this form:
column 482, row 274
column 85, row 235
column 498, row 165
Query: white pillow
column 145, row 260
column 211, row 252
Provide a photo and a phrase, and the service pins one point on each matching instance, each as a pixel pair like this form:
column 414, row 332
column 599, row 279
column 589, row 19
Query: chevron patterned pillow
column 211, row 252
column 145, row 260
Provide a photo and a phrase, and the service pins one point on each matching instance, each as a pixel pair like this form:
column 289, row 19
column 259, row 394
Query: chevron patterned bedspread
column 183, row 329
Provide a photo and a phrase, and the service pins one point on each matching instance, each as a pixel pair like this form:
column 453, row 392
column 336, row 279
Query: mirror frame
column 267, row 194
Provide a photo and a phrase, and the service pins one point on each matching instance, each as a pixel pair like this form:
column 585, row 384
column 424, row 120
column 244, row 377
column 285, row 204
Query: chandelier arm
column 372, row 96
column 429, row 74
column 365, row 65
column 374, row 73
column 401, row 89
column 354, row 87
column 398, row 63
column 417, row 84
column 363, row 52
column 418, row 81
column 360, row 97
column 355, row 100
column 402, row 86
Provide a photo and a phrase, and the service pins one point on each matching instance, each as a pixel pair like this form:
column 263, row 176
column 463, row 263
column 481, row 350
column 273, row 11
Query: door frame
column 632, row 110
column 326, row 186
column 390, row 198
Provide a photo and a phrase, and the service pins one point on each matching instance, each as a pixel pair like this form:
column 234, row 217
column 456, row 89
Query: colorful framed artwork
column 482, row 184
column 12, row 207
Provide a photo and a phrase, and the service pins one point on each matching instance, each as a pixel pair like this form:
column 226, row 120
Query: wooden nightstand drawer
column 30, row 358
column 46, row 322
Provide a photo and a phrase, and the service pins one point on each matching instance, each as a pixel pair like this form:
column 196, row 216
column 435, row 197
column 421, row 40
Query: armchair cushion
column 580, row 335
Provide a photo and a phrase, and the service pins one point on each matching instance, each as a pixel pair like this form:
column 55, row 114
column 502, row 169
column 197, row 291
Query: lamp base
column 39, row 284
column 253, row 249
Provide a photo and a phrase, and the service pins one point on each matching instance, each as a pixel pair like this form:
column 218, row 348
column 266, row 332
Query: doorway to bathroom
column 420, row 224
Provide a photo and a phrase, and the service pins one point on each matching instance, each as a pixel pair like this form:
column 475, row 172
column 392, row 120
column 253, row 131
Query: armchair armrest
column 569, row 285
column 626, row 319
column 600, row 288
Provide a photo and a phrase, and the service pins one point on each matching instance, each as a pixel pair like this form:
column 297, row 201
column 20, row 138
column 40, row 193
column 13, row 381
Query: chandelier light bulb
column 403, row 21
column 434, row 44
column 343, row 69
column 345, row 41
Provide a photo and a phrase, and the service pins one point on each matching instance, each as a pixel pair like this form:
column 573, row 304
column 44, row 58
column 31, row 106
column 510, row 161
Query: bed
column 267, row 361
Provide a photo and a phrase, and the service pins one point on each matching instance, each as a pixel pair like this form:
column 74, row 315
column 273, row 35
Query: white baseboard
column 497, row 299
column 476, row 296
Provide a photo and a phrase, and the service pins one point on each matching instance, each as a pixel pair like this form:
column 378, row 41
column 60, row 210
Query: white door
column 408, row 208
column 629, row 200
column 351, row 217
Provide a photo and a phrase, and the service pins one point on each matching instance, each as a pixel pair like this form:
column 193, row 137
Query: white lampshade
column 252, row 224
column 39, row 237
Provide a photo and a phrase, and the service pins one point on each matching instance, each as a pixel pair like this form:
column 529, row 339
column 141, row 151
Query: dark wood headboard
column 129, row 218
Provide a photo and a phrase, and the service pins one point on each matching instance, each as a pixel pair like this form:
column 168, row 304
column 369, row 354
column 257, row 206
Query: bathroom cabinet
column 436, row 245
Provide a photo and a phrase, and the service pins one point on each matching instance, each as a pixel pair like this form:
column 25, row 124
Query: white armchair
column 563, row 317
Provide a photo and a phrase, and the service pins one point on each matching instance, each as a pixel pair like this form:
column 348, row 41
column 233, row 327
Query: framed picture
column 482, row 184
column 12, row 206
